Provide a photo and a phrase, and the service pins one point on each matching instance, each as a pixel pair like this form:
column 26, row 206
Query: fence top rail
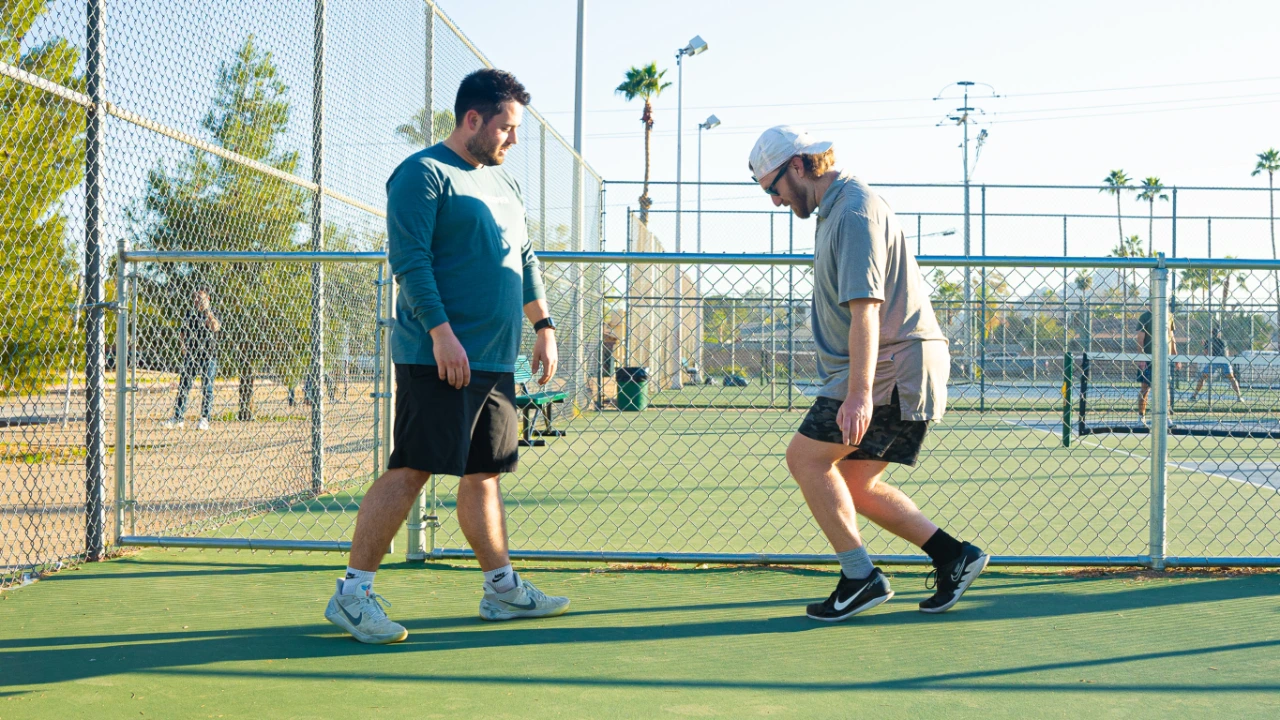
column 176, row 256
column 976, row 213
column 1020, row 261
column 960, row 186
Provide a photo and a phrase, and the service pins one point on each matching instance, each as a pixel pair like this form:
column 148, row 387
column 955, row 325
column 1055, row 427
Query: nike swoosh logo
column 532, row 604
column 847, row 603
column 354, row 620
column 958, row 575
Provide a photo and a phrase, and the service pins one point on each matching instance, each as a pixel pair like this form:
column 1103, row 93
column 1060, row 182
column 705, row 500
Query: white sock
column 351, row 584
column 501, row 580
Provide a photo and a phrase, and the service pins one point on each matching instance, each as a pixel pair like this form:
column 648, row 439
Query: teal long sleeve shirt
column 460, row 252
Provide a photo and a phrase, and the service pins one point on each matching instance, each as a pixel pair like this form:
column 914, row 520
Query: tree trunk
column 1271, row 196
column 1151, row 225
column 645, row 202
column 1119, row 223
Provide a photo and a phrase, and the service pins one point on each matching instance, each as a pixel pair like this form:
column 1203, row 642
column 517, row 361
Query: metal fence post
column 122, row 391
column 1160, row 409
column 95, row 449
column 791, row 311
column 626, row 307
column 317, row 371
column 376, row 396
column 982, row 324
column 418, row 514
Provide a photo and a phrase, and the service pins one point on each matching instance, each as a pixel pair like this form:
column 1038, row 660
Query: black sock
column 942, row 548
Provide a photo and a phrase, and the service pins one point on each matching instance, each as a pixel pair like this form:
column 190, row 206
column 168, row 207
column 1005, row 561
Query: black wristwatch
column 544, row 323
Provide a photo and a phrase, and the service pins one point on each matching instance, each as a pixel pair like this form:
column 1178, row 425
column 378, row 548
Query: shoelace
column 534, row 593
column 378, row 603
column 931, row 580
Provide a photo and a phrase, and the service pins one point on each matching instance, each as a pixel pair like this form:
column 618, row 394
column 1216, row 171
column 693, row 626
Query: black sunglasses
column 772, row 189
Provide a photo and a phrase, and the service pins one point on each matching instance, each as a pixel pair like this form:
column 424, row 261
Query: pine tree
column 41, row 159
column 208, row 203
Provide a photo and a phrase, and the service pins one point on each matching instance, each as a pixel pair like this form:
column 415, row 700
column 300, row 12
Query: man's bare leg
column 382, row 512
column 1143, row 391
column 354, row 607
column 483, row 519
column 813, row 465
column 884, row 504
column 861, row 586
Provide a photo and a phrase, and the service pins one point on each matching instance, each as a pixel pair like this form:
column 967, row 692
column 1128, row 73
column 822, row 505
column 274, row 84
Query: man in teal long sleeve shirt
column 460, row 251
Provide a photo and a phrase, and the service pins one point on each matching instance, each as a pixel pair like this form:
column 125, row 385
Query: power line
column 840, row 124
column 876, row 101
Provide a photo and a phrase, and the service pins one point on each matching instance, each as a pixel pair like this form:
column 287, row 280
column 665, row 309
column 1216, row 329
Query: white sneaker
column 361, row 614
column 173, row 424
column 203, row 424
column 524, row 601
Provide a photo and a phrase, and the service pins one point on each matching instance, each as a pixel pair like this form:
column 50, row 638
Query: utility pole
column 964, row 116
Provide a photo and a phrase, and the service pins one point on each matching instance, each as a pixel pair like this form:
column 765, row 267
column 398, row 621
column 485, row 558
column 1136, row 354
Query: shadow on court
column 255, row 615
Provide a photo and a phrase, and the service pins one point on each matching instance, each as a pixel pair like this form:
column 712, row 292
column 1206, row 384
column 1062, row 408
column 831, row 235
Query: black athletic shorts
column 440, row 429
column 889, row 438
column 1144, row 373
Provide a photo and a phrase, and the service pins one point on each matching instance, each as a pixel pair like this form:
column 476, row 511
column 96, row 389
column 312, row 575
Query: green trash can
column 633, row 388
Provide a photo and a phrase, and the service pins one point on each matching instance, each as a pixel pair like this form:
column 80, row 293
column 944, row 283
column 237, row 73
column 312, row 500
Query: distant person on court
column 1144, row 366
column 883, row 364
column 461, row 253
column 198, row 336
column 1216, row 348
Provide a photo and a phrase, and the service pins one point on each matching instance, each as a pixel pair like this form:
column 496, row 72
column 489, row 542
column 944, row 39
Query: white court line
column 1185, row 468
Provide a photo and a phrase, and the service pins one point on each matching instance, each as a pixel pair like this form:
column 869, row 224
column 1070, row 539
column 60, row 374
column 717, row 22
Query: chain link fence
column 698, row 473
column 213, row 128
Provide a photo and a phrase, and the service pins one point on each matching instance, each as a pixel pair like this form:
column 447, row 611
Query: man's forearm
column 536, row 310
column 864, row 344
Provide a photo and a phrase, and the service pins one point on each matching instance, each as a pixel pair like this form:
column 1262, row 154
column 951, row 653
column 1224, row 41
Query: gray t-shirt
column 861, row 252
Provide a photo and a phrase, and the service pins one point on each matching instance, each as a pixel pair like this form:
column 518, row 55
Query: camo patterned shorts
column 889, row 438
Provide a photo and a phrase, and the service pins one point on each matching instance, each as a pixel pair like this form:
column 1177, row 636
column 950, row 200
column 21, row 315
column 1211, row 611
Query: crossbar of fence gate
column 381, row 395
column 1155, row 557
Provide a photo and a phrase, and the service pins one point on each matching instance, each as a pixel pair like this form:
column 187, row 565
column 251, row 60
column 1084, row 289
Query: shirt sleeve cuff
column 433, row 317
column 867, row 295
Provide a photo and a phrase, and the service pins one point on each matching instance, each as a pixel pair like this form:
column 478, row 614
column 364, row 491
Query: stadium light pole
column 696, row 46
column 711, row 123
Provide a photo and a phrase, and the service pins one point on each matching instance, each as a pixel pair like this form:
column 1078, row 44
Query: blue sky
column 1187, row 91
column 868, row 55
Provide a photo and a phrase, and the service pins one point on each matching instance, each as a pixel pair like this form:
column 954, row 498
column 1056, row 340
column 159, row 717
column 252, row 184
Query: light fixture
column 712, row 122
column 695, row 46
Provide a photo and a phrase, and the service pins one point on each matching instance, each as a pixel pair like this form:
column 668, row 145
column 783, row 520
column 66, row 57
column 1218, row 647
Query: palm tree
column 644, row 82
column 1128, row 247
column 1269, row 162
column 1152, row 190
column 1115, row 183
column 415, row 131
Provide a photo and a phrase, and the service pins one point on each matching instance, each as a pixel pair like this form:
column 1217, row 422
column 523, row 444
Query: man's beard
column 484, row 153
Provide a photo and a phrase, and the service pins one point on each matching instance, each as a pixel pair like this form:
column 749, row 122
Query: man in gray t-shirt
column 882, row 364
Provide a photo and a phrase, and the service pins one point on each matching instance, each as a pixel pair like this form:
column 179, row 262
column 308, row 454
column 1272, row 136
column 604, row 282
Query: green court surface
column 171, row 634
column 707, row 481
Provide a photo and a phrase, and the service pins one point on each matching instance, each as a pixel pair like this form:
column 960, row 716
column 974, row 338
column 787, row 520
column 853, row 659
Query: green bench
column 533, row 404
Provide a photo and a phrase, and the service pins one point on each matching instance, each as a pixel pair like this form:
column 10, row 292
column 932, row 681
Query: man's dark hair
column 485, row 90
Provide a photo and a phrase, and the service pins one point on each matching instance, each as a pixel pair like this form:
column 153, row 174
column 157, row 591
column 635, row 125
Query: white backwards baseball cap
column 778, row 145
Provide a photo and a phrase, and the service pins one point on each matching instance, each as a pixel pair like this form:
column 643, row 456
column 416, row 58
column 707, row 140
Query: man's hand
column 545, row 355
column 854, row 416
column 451, row 357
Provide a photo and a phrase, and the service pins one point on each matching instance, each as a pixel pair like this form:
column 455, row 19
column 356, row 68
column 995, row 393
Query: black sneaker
column 952, row 579
column 852, row 597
